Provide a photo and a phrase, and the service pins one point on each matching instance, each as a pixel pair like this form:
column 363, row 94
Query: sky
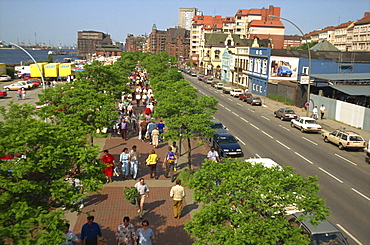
column 58, row 21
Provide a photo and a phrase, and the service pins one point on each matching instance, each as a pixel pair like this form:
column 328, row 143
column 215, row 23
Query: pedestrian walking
column 161, row 126
column 149, row 129
column 322, row 111
column 145, row 235
column 108, row 160
column 143, row 190
column 213, row 155
column 70, row 236
column 169, row 164
column 124, row 158
column 175, row 149
column 23, row 94
column 134, row 161
column 177, row 193
column 315, row 113
column 134, row 122
column 138, row 98
column 90, row 232
column 155, row 137
column 143, row 127
column 123, row 125
column 19, row 94
column 125, row 233
column 151, row 161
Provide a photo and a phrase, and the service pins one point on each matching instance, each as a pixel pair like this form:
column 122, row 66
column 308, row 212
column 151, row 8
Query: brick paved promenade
column 109, row 207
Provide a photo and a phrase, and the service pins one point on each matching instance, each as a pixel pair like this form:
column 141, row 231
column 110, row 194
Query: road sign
column 307, row 104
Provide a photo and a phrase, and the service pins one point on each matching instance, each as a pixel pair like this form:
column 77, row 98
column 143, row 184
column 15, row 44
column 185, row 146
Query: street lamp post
column 38, row 67
column 309, row 57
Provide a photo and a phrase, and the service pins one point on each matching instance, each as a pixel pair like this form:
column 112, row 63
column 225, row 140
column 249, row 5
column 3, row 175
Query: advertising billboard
column 283, row 68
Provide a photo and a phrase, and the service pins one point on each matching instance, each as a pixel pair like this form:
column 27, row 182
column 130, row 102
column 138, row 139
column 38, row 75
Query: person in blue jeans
column 124, row 158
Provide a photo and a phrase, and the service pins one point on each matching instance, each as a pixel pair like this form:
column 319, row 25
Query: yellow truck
column 51, row 70
column 35, row 71
column 2, row 69
column 67, row 69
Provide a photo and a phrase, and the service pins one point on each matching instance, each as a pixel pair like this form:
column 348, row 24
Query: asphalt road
column 344, row 181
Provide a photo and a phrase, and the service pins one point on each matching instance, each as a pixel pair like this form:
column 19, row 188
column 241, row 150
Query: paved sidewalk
column 109, row 207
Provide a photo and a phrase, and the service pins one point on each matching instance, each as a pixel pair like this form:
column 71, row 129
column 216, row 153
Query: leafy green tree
column 305, row 46
column 32, row 185
column 247, row 203
column 183, row 111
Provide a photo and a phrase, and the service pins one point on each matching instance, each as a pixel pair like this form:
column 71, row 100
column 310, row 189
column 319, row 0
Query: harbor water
column 17, row 56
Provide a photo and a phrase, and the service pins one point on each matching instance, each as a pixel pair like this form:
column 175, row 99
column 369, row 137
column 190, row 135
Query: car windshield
column 289, row 111
column 227, row 139
column 355, row 138
column 310, row 122
column 217, row 126
column 257, row 98
column 329, row 238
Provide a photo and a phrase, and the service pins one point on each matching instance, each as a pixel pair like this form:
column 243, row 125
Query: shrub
column 185, row 176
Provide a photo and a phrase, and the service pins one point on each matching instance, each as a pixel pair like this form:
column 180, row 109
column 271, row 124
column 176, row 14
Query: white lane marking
column 239, row 104
column 345, row 159
column 227, row 109
column 264, row 105
column 235, row 114
column 240, row 140
column 258, row 155
column 284, row 127
column 244, row 119
column 267, row 134
column 350, row 235
column 222, row 105
column 283, row 145
column 229, row 99
column 331, row 175
column 251, row 110
column 254, row 126
column 222, row 95
column 360, row 194
column 303, row 157
column 203, row 92
column 268, row 119
column 309, row 140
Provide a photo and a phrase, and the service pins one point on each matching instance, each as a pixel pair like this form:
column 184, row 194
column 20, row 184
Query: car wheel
column 282, row 118
column 292, row 125
column 341, row 147
column 7, row 89
column 302, row 130
column 326, row 139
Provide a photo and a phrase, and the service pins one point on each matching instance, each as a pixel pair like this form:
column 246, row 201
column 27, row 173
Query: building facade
column 136, row 43
column 156, row 40
column 186, row 16
column 87, row 42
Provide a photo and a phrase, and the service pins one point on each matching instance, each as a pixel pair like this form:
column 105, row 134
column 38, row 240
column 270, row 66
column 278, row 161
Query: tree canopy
column 33, row 189
column 248, row 203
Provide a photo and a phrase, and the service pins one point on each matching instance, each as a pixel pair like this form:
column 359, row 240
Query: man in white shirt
column 177, row 193
column 213, row 155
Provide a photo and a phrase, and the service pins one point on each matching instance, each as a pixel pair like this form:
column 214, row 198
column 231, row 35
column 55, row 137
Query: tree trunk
column 189, row 153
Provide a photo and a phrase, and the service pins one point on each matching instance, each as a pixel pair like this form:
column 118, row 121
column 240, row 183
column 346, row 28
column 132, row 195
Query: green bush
column 185, row 176
column 281, row 98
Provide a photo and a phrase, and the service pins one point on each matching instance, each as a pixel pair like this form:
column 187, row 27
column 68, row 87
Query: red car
column 245, row 96
column 36, row 82
column 3, row 94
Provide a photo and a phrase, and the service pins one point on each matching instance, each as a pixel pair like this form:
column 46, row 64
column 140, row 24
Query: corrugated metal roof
column 324, row 45
column 353, row 89
column 342, row 76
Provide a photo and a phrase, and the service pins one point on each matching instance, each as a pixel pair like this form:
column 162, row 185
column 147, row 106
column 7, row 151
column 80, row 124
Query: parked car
column 30, row 84
column 254, row 100
column 219, row 85
column 245, row 96
column 284, row 71
column 218, row 126
column 35, row 81
column 285, row 114
column 344, row 139
column 226, row 89
column 213, row 84
column 200, row 78
column 4, row 78
column 235, row 92
column 324, row 233
column 3, row 94
column 193, row 74
column 16, row 86
column 226, row 145
column 209, row 81
column 306, row 124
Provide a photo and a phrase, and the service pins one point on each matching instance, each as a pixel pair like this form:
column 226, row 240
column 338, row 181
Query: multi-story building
column 292, row 41
column 87, row 42
column 156, row 40
column 361, row 34
column 177, row 43
column 327, row 34
column 136, row 43
column 341, row 34
column 107, row 48
column 186, row 16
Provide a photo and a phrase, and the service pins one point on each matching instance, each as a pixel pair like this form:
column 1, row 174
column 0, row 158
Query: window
column 217, row 54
